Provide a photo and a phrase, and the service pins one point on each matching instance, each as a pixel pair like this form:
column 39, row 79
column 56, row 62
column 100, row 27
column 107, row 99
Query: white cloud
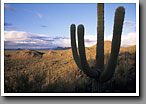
column 21, row 39
column 129, row 39
column 108, row 37
column 62, row 42
column 126, row 40
column 15, row 35
column 90, row 40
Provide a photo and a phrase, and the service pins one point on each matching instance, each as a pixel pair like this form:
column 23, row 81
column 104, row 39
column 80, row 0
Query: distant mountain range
column 62, row 48
column 107, row 45
column 57, row 48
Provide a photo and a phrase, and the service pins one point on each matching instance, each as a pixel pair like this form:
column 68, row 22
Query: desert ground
column 55, row 71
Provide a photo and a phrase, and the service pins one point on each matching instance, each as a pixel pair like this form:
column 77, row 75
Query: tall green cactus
column 98, row 72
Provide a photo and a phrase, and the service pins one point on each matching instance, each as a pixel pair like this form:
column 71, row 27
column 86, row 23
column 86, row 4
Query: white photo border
column 70, row 94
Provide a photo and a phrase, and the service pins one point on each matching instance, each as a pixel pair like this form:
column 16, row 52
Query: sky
column 47, row 25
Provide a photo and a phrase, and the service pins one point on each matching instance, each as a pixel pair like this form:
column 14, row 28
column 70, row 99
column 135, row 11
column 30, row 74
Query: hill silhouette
column 29, row 53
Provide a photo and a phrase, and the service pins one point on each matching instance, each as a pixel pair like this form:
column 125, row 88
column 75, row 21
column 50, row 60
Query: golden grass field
column 56, row 71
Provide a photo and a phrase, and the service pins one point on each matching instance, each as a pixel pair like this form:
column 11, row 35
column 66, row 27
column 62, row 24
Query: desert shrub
column 38, row 80
column 52, row 73
column 23, row 84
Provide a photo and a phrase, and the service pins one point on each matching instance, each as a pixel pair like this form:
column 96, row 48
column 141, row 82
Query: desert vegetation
column 104, row 68
column 99, row 73
column 56, row 71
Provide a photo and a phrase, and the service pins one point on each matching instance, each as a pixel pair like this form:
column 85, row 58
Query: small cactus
column 98, row 72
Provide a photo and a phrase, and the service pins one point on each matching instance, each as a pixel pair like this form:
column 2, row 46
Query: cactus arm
column 74, row 46
column 86, row 68
column 116, row 42
column 100, row 37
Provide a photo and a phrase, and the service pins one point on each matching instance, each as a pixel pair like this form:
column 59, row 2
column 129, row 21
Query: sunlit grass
column 56, row 71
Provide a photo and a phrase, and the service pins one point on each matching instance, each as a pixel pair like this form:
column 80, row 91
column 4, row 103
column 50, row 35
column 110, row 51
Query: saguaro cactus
column 98, row 72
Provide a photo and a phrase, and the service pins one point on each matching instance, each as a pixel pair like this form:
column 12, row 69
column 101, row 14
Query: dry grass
column 56, row 71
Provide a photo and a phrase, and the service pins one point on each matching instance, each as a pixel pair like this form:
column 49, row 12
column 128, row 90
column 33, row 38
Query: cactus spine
column 98, row 72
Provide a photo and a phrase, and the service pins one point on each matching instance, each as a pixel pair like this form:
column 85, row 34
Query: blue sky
column 48, row 25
